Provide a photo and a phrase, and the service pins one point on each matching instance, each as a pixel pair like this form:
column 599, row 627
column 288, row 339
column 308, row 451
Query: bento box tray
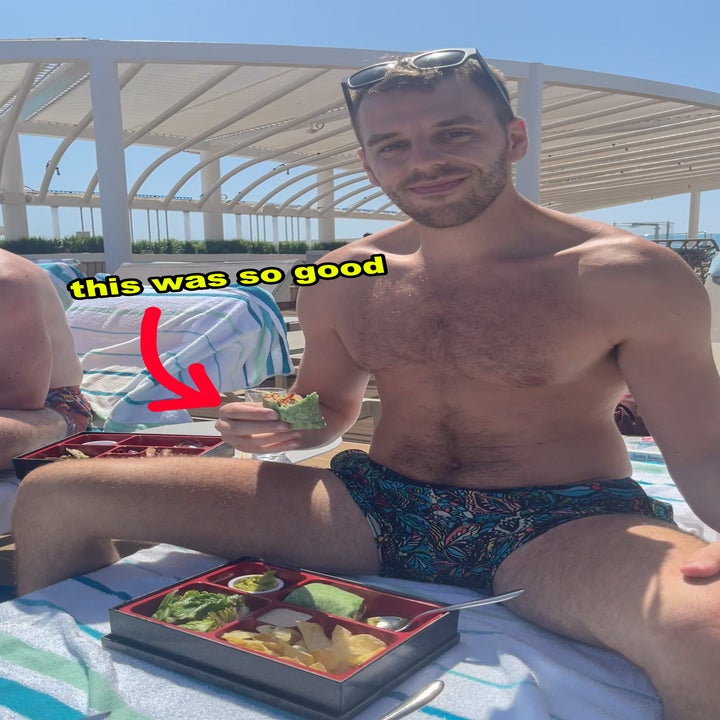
column 279, row 681
column 127, row 445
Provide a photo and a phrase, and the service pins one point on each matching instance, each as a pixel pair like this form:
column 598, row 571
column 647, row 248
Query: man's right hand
column 251, row 428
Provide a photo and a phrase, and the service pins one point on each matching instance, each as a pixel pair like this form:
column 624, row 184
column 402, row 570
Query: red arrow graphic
column 206, row 394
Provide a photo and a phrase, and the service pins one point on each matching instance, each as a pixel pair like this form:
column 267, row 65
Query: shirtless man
column 40, row 400
column 500, row 340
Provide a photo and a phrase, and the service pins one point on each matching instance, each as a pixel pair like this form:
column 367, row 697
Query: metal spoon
column 423, row 696
column 398, row 624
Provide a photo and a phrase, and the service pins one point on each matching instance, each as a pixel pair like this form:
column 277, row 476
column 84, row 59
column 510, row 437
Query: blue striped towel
column 60, row 274
column 237, row 334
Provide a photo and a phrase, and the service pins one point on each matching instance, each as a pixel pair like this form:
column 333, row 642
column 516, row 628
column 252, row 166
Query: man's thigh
column 65, row 512
column 24, row 430
column 609, row 580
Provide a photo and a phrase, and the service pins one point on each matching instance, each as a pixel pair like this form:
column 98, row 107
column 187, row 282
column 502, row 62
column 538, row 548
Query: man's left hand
column 703, row 563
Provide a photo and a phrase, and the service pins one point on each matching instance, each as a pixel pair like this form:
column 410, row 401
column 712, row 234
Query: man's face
column 441, row 155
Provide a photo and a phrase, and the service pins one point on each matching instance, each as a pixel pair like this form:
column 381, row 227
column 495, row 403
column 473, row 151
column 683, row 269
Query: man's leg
column 614, row 581
column 65, row 514
column 24, row 430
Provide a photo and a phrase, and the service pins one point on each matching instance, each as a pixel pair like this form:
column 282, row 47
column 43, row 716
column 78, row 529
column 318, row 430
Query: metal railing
column 697, row 253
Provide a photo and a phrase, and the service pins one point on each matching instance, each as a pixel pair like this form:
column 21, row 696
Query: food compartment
column 190, row 442
column 154, row 450
column 251, row 568
column 149, row 445
column 99, row 444
column 355, row 602
column 92, row 444
column 317, row 643
column 197, row 602
column 66, row 451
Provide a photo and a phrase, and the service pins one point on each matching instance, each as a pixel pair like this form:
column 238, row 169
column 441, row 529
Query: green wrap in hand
column 301, row 413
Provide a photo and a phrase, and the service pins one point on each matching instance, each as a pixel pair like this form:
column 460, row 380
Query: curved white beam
column 283, row 168
column 670, row 140
column 71, row 137
column 620, row 157
column 640, row 124
column 384, row 207
column 288, row 87
column 301, row 120
column 336, row 201
column 330, row 191
column 280, row 152
column 630, row 136
column 362, row 201
column 183, row 102
column 313, row 171
column 21, row 96
column 612, row 111
column 316, row 198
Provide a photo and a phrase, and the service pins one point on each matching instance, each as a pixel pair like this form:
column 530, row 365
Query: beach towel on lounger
column 60, row 274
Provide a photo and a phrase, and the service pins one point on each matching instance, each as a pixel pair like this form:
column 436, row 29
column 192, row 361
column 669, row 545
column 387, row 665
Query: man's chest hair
column 530, row 331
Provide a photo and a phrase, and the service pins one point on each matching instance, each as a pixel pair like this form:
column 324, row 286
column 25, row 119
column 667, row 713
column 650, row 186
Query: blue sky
column 640, row 38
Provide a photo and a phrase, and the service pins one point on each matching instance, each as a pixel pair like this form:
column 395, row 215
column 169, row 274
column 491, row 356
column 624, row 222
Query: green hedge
column 72, row 244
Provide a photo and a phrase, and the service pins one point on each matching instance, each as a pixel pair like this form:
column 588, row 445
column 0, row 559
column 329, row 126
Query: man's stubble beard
column 485, row 188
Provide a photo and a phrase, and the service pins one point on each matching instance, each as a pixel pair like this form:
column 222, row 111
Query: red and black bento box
column 258, row 672
column 128, row 445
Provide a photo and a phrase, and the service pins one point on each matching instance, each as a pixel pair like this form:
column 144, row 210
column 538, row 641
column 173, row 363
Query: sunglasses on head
column 435, row 59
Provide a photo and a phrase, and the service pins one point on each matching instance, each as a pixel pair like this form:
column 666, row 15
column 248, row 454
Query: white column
column 112, row 176
column 212, row 210
column 694, row 219
column 55, row 215
column 13, row 191
column 326, row 225
column 238, row 226
column 308, row 230
column 276, row 231
column 186, row 225
column 529, row 107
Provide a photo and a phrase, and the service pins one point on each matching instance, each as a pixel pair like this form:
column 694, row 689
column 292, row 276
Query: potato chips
column 308, row 645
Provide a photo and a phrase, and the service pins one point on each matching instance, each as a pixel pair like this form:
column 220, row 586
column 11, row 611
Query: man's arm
column 666, row 359
column 326, row 366
column 25, row 350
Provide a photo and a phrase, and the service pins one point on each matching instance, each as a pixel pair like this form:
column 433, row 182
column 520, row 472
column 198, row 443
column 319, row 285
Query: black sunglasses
column 437, row 59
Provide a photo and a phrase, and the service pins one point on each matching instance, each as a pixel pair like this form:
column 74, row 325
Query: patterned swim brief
column 74, row 408
column 459, row 536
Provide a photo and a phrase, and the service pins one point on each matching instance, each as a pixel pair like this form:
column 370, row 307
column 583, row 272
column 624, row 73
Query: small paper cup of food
column 257, row 583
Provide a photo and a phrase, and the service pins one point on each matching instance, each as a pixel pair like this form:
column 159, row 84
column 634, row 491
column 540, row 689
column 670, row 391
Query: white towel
column 238, row 335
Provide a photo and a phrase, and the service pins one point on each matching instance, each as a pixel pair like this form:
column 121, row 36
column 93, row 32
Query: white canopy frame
column 597, row 140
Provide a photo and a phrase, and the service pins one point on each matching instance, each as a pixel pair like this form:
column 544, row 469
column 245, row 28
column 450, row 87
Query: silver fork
column 422, row 697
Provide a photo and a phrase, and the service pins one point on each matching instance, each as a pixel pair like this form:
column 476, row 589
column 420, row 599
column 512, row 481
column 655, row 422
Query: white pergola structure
column 597, row 140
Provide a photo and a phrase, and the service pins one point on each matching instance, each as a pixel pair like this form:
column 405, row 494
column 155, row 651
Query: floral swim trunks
column 74, row 408
column 459, row 536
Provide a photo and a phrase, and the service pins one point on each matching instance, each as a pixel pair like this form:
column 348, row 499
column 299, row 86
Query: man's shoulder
column 24, row 287
column 385, row 242
column 612, row 248
column 16, row 270
column 633, row 277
